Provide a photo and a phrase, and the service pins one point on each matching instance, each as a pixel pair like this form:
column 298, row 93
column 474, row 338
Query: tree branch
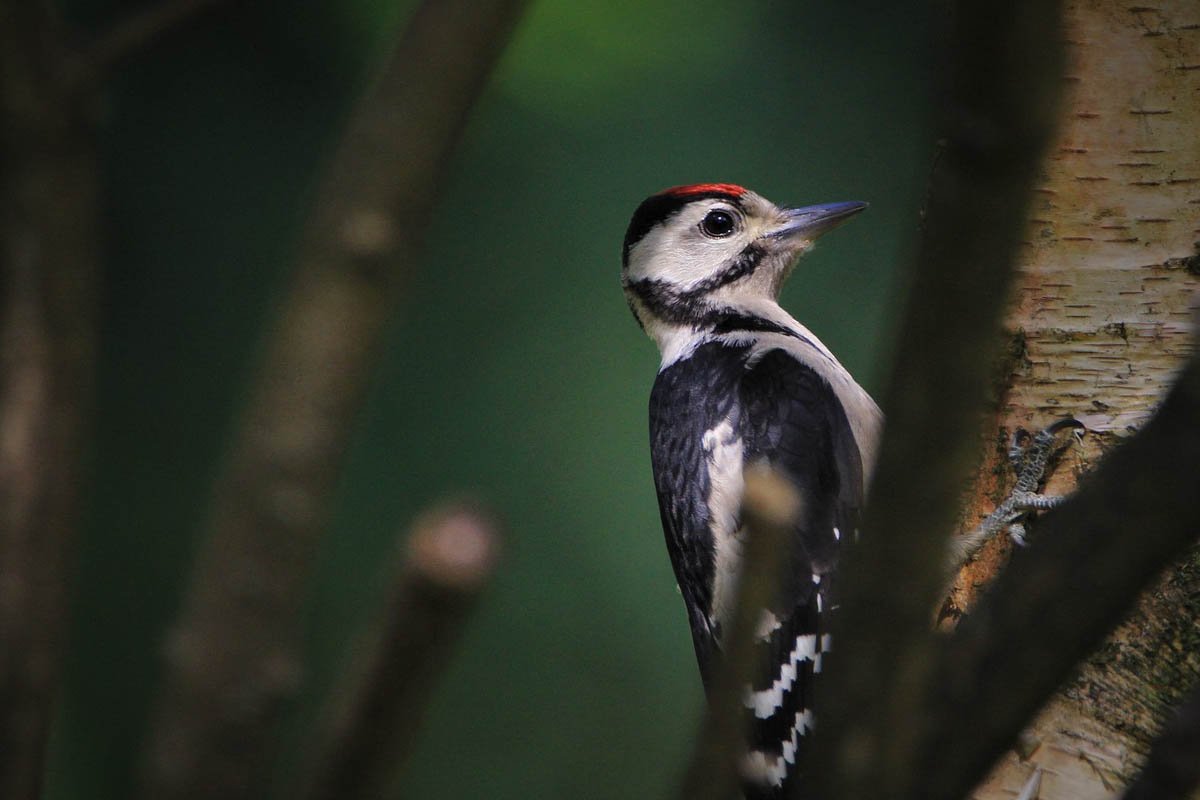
column 232, row 657
column 770, row 508
column 48, row 251
column 1098, row 331
column 1055, row 602
column 997, row 120
column 371, row 719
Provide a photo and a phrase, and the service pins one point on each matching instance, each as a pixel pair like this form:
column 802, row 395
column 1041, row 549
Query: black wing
column 791, row 418
column 689, row 398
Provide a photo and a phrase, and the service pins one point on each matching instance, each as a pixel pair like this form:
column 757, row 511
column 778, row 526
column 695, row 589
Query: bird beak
column 810, row 222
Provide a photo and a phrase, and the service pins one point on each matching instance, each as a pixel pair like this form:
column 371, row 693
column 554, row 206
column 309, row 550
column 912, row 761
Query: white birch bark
column 1099, row 325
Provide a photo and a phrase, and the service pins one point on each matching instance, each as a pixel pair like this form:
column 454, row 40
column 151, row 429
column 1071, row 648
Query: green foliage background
column 515, row 370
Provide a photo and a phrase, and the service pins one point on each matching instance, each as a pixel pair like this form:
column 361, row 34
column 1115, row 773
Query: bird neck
column 681, row 330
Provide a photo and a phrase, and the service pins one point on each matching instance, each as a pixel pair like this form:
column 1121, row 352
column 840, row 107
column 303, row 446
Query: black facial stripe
column 660, row 207
column 746, row 262
column 680, row 307
column 728, row 320
column 689, row 309
column 659, row 296
column 667, row 304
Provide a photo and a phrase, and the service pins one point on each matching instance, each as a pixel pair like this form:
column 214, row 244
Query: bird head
column 692, row 249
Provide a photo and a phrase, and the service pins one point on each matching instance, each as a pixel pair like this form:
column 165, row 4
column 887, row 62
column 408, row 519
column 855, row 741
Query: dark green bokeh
column 515, row 370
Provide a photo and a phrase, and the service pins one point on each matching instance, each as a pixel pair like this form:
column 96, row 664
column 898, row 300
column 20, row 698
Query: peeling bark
column 1100, row 325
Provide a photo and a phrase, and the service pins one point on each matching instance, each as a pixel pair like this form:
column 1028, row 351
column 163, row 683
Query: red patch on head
column 688, row 190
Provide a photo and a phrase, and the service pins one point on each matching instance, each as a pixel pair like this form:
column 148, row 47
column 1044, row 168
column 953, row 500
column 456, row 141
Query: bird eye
column 717, row 223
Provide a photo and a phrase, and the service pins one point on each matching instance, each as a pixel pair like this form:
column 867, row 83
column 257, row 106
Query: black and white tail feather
column 742, row 383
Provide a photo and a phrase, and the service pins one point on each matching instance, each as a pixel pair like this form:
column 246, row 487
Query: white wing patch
column 724, row 453
column 767, row 701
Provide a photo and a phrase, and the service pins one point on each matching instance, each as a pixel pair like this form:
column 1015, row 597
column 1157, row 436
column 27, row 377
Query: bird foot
column 1030, row 456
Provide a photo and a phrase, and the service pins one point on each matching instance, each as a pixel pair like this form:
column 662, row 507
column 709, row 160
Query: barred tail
column 779, row 706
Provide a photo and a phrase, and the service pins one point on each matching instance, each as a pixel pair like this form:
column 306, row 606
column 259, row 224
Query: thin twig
column 1173, row 768
column 48, row 253
column 997, row 120
column 232, row 657
column 369, row 725
column 1054, row 603
column 770, row 508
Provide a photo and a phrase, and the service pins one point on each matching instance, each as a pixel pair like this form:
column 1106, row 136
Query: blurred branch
column 770, row 508
column 998, row 117
column 48, row 246
column 138, row 32
column 372, row 717
column 1053, row 604
column 1173, row 769
column 232, row 656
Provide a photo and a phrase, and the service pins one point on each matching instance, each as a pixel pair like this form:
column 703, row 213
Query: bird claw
column 1030, row 456
column 1016, row 449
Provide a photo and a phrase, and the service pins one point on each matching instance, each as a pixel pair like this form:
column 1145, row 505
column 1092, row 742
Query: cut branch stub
column 234, row 658
column 372, row 717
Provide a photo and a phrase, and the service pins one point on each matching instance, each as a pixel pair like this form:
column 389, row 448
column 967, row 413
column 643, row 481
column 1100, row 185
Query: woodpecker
column 741, row 383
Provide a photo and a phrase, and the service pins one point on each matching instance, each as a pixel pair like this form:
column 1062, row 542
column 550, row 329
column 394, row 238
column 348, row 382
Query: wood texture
column 996, row 120
column 1100, row 325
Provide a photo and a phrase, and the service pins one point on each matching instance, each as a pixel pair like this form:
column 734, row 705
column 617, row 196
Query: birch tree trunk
column 1099, row 325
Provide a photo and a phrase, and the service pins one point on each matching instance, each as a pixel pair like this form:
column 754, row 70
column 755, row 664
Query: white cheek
column 682, row 263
